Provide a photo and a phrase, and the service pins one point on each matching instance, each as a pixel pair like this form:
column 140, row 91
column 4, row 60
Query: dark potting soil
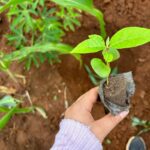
column 115, row 91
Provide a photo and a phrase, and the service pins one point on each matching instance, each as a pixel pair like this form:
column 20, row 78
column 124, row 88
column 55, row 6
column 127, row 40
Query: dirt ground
column 56, row 87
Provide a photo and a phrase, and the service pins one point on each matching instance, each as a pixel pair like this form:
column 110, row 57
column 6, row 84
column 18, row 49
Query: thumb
column 103, row 126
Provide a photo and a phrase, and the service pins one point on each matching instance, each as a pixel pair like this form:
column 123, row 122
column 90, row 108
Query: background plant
column 144, row 124
column 125, row 38
column 88, row 7
column 34, row 25
column 10, row 106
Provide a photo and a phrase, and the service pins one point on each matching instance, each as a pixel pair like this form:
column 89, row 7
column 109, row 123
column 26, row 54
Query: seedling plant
column 9, row 106
column 125, row 38
column 145, row 124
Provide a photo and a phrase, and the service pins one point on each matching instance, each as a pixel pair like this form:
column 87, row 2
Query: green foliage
column 10, row 106
column 100, row 68
column 111, row 55
column 125, row 38
column 10, row 3
column 68, row 17
column 138, row 122
column 30, row 53
column 145, row 124
column 4, row 120
column 87, row 6
column 93, row 77
column 130, row 37
column 8, row 101
column 42, row 48
column 94, row 44
column 34, row 28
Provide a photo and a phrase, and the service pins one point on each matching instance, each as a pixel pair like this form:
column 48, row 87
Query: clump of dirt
column 115, row 91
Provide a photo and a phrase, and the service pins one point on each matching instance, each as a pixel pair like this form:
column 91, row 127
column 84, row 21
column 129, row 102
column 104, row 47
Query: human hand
column 81, row 111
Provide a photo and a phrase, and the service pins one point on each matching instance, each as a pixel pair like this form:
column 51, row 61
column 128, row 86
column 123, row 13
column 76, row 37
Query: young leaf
column 111, row 55
column 100, row 68
column 4, row 120
column 94, row 44
column 107, row 42
column 130, row 37
column 115, row 53
column 108, row 57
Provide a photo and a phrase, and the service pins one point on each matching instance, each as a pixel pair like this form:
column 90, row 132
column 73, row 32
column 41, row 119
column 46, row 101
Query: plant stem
column 108, row 64
column 107, row 80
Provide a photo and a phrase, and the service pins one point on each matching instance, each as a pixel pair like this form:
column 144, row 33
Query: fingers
column 89, row 98
column 102, row 127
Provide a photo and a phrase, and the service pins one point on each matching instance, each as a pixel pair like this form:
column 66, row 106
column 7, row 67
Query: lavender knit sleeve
column 74, row 135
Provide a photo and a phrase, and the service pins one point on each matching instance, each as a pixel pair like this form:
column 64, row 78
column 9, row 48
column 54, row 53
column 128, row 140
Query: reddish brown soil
column 47, row 84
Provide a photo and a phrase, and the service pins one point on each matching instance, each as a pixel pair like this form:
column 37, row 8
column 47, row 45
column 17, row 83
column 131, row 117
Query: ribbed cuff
column 74, row 135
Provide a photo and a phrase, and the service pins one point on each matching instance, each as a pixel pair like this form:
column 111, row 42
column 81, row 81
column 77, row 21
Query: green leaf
column 115, row 53
column 79, row 4
column 111, row 55
column 11, row 2
column 8, row 101
column 87, row 6
column 4, row 65
column 94, row 78
column 108, row 57
column 18, row 110
column 28, row 63
column 114, row 71
column 130, row 37
column 100, row 68
column 4, row 120
column 94, row 44
column 40, row 48
column 107, row 42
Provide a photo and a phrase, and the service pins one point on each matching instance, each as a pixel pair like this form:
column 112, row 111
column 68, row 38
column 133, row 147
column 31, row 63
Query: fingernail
column 124, row 114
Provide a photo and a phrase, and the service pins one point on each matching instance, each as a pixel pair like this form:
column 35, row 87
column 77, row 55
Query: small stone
column 142, row 94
